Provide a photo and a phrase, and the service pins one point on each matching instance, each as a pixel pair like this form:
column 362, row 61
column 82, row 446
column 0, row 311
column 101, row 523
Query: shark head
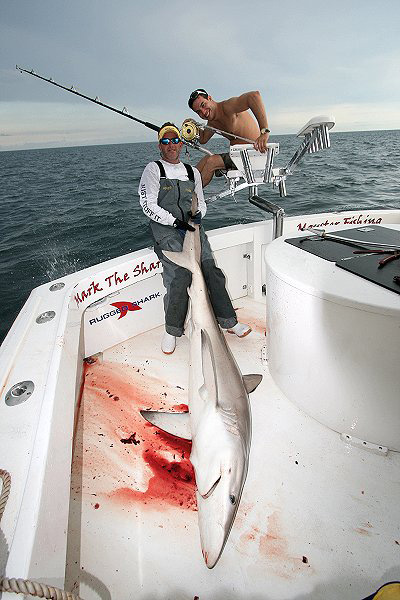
column 217, row 507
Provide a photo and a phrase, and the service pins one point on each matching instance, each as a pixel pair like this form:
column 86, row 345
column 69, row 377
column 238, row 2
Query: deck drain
column 19, row 393
column 45, row 317
column 57, row 286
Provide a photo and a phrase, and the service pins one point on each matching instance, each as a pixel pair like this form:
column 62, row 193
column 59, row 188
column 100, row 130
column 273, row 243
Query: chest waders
column 175, row 196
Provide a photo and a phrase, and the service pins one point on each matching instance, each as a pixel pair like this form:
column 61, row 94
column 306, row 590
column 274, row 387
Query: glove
column 182, row 227
column 195, row 218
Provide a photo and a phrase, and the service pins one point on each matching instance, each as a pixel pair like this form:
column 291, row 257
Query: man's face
column 170, row 152
column 204, row 107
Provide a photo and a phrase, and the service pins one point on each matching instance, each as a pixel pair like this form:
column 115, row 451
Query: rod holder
column 247, row 167
column 282, row 188
column 277, row 212
column 268, row 166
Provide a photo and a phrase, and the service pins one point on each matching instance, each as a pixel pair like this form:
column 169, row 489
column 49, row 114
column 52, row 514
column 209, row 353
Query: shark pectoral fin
column 251, row 382
column 174, row 423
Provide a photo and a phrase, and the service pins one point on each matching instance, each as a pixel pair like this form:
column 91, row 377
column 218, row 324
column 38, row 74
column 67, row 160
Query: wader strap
column 189, row 170
column 162, row 170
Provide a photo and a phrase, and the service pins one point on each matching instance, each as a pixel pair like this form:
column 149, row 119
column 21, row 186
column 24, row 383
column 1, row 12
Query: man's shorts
column 228, row 162
column 229, row 165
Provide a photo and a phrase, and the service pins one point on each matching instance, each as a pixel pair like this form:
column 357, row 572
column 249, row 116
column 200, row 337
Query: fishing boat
column 99, row 502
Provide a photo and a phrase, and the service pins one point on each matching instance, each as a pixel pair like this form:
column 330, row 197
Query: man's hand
column 261, row 142
column 183, row 227
column 195, row 217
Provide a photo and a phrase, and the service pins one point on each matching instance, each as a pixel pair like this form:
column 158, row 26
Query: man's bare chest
column 228, row 123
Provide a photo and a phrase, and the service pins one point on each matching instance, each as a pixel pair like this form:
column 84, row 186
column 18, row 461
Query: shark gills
column 219, row 417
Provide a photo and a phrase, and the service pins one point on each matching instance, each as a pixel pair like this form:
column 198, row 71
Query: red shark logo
column 124, row 307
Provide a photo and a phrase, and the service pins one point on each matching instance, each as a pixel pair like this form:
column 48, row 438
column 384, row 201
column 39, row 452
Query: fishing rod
column 189, row 137
column 232, row 135
column 191, row 131
column 192, row 143
column 96, row 100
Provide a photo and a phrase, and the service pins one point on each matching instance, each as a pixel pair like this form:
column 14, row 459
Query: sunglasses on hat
column 196, row 94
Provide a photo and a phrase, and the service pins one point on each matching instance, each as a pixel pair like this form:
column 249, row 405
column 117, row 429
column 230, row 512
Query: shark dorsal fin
column 251, row 382
column 174, row 423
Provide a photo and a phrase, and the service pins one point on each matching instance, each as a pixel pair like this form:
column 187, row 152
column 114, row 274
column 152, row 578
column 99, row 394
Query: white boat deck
column 318, row 518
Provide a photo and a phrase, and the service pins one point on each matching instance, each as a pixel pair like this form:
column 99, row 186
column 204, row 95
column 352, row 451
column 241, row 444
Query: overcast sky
column 307, row 58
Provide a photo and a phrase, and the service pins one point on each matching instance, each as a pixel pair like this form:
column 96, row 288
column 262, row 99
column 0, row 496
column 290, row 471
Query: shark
column 218, row 421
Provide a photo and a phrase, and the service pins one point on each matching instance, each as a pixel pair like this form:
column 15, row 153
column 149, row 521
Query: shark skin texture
column 219, row 417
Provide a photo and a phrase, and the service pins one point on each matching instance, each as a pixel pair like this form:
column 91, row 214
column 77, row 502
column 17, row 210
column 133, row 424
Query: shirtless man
column 232, row 116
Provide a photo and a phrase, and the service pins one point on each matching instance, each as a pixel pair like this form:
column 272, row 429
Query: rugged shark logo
column 122, row 308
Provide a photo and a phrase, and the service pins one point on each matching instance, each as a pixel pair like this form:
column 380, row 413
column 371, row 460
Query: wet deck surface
column 317, row 519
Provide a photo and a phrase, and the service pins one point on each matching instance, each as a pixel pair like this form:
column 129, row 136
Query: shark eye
column 232, row 499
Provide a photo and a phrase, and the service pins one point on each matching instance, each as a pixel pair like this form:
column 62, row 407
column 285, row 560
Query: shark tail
column 190, row 256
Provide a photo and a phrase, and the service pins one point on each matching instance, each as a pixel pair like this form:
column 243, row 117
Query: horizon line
column 21, row 149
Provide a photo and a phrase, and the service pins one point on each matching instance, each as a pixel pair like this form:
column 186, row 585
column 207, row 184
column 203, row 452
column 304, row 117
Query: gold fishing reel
column 190, row 131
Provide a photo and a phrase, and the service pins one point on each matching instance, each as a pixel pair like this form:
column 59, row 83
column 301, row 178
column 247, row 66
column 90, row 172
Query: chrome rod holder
column 268, row 166
column 248, row 172
column 277, row 212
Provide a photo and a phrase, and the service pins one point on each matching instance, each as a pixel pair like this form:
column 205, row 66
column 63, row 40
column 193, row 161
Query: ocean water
column 65, row 209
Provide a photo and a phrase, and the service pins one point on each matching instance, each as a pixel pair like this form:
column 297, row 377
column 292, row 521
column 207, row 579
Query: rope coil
column 33, row 588
column 25, row 586
column 6, row 478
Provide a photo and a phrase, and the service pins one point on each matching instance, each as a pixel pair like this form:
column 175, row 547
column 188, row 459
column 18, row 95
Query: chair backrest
column 254, row 166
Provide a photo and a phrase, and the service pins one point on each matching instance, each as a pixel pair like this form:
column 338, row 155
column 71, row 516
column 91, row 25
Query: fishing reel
column 190, row 131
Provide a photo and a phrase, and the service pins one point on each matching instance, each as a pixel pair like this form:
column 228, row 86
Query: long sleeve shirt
column 149, row 188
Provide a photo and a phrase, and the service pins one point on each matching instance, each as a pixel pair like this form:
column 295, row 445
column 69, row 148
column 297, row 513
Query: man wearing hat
column 165, row 192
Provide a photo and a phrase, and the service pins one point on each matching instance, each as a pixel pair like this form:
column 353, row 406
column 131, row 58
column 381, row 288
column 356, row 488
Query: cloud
column 305, row 58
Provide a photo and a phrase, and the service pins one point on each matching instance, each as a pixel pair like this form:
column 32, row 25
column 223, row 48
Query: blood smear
column 155, row 470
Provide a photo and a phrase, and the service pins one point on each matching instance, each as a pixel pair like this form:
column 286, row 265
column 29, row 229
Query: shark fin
column 251, row 382
column 174, row 423
column 209, row 389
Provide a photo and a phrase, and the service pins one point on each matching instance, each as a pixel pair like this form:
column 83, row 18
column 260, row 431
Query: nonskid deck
column 317, row 518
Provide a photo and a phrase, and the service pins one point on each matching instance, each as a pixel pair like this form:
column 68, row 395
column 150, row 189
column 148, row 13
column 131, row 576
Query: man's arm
column 149, row 187
column 252, row 101
column 205, row 135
